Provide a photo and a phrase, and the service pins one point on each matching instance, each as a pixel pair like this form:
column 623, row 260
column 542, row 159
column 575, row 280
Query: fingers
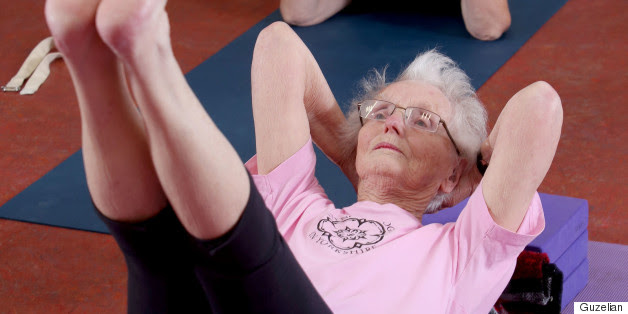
column 486, row 150
column 484, row 156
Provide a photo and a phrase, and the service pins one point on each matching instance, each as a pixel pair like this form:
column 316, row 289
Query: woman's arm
column 291, row 101
column 523, row 143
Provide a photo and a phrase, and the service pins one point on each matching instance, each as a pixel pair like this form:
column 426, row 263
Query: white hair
column 468, row 122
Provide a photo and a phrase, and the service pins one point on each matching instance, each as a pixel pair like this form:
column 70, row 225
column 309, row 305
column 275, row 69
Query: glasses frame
column 405, row 119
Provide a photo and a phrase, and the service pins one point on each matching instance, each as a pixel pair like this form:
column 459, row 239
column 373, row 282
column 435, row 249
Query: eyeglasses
column 417, row 118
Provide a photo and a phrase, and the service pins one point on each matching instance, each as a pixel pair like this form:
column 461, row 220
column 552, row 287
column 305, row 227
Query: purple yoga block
column 573, row 256
column 566, row 218
column 574, row 283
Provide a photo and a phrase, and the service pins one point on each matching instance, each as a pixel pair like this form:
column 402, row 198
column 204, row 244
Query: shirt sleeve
column 290, row 188
column 487, row 253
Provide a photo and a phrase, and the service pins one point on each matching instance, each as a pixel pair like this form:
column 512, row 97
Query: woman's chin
column 382, row 164
column 385, row 169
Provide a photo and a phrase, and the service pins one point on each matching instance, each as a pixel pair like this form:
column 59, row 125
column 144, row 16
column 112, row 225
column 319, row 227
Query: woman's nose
column 395, row 122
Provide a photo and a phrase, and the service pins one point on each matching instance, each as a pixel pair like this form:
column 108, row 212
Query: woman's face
column 390, row 151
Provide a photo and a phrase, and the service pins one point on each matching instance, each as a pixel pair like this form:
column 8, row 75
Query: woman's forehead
column 416, row 94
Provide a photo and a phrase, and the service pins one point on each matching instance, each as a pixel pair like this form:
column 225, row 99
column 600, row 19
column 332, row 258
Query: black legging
column 248, row 270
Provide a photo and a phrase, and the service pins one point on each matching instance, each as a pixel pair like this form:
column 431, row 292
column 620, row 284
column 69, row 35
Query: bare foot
column 132, row 28
column 72, row 25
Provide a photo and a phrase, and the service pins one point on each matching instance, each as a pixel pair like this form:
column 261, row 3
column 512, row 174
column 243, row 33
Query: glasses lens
column 376, row 110
column 423, row 119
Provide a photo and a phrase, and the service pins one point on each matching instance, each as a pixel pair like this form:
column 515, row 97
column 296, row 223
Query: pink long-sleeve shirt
column 379, row 258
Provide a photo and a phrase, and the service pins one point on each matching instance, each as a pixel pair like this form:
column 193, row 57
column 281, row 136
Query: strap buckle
column 10, row 88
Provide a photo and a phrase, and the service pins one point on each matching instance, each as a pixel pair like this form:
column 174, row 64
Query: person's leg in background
column 310, row 12
column 486, row 19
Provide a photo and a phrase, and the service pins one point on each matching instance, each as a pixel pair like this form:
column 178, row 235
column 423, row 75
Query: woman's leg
column 243, row 262
column 120, row 173
column 199, row 170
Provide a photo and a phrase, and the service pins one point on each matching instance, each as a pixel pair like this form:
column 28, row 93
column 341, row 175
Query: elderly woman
column 194, row 229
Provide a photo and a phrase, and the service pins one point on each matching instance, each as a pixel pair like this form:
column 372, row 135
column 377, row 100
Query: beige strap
column 33, row 59
column 41, row 73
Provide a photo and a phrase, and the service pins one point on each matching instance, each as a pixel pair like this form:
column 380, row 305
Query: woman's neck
column 384, row 190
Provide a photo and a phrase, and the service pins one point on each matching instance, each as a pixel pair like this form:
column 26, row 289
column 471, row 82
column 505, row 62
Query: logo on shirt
column 351, row 233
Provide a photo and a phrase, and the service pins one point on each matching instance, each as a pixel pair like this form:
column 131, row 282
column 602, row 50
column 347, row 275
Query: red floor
column 581, row 51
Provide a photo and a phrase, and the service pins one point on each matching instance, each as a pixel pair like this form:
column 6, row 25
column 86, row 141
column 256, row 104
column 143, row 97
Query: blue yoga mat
column 347, row 46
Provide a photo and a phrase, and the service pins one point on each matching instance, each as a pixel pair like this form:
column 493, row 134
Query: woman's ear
column 450, row 183
column 466, row 183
